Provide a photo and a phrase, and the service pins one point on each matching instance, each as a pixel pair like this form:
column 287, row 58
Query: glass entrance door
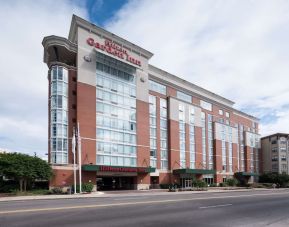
column 186, row 183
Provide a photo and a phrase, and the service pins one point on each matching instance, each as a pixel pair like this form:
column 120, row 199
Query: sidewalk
column 128, row 194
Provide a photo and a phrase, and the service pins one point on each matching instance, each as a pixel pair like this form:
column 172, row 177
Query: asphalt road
column 255, row 208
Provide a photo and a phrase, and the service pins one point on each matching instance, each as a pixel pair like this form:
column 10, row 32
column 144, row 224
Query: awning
column 246, row 174
column 101, row 168
column 194, row 171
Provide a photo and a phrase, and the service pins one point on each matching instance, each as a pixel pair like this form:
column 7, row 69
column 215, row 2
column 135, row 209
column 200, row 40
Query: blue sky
column 237, row 49
column 101, row 11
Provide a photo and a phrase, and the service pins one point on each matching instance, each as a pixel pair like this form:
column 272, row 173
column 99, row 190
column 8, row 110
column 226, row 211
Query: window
column 157, row 87
column 58, row 115
column 227, row 114
column 115, row 107
column 221, row 112
column 184, row 97
column 206, row 105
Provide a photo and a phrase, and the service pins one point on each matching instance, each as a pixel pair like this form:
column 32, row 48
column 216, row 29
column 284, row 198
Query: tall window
column 192, row 139
column 204, row 140
column 210, row 141
column 182, row 135
column 153, row 131
column 206, row 105
column 59, row 115
column 157, row 87
column 230, row 149
column 252, row 159
column 184, row 97
column 115, row 112
column 242, row 150
column 164, row 133
column 224, row 153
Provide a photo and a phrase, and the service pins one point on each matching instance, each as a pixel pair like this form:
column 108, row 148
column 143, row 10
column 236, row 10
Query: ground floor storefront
column 106, row 178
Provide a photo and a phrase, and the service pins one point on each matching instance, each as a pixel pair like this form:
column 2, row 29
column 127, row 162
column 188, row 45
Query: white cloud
column 23, row 75
column 238, row 49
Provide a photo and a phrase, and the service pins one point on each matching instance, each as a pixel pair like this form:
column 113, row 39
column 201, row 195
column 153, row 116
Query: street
column 252, row 208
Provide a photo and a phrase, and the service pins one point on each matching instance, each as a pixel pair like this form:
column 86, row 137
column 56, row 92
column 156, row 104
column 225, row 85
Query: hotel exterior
column 140, row 126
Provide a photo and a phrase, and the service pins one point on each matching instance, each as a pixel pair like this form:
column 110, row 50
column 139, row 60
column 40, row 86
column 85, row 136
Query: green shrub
column 87, row 187
column 164, row 186
column 232, row 182
column 57, row 190
column 199, row 184
column 223, row 184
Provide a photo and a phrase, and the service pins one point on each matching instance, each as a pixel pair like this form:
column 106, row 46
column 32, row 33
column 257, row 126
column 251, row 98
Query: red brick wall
column 143, row 134
column 164, row 178
column 86, row 116
column 72, row 87
column 61, row 178
column 218, row 157
column 198, row 146
column 247, row 158
column 174, row 145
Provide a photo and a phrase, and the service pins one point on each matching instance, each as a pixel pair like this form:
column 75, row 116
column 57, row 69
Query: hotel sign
column 113, row 49
column 122, row 169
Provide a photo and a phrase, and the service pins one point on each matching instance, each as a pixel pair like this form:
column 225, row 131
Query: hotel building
column 275, row 153
column 140, row 126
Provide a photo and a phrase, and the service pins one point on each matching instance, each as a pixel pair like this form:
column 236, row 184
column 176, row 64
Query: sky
column 237, row 49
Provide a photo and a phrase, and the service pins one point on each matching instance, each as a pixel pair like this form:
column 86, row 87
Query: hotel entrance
column 107, row 183
column 186, row 182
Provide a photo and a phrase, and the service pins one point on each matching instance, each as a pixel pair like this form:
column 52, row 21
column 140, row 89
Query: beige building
column 275, row 153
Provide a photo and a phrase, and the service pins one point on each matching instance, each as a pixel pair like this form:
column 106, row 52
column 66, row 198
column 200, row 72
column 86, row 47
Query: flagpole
column 74, row 167
column 79, row 157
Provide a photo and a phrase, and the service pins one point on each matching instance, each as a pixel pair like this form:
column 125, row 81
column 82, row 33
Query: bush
column 275, row 178
column 232, row 182
column 86, row 187
column 164, row 186
column 223, row 184
column 57, row 191
column 8, row 186
column 199, row 184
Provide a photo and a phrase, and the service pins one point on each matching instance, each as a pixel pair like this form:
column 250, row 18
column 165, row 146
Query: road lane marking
column 128, row 198
column 132, row 203
column 215, row 206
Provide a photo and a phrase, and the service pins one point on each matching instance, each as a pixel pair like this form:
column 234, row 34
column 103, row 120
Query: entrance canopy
column 246, row 174
column 101, row 168
column 194, row 171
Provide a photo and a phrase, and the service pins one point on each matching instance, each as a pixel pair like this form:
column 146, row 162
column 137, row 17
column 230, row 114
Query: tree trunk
column 20, row 184
column 25, row 184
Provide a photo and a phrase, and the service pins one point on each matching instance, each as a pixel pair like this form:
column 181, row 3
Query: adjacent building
column 275, row 153
column 140, row 126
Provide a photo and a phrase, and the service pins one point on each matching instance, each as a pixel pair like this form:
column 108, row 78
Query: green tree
column 24, row 168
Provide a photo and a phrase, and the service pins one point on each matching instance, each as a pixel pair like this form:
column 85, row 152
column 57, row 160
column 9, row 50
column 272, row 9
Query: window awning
column 101, row 168
column 194, row 171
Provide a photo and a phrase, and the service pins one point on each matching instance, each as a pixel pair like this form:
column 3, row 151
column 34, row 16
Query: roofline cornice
column 57, row 41
column 80, row 22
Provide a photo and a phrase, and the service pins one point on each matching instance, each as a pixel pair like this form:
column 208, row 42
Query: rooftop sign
column 113, row 49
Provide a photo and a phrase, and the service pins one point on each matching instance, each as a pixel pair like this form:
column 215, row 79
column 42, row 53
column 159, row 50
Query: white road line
column 127, row 198
column 221, row 205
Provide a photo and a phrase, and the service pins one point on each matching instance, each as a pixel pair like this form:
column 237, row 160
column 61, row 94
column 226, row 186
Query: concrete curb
column 130, row 194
